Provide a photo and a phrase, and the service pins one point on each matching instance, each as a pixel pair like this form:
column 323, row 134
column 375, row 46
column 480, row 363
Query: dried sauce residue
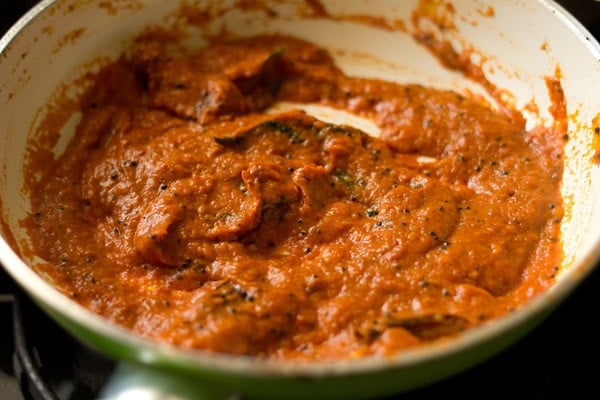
column 487, row 12
column 70, row 38
column 115, row 7
column 558, row 103
column 596, row 138
column 440, row 12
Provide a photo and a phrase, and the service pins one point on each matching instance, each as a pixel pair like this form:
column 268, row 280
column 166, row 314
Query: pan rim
column 156, row 353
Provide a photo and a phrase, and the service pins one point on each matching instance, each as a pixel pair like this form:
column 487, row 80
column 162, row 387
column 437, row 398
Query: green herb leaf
column 285, row 129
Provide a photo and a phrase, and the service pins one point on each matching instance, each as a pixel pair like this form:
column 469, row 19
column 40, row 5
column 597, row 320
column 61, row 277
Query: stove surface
column 39, row 361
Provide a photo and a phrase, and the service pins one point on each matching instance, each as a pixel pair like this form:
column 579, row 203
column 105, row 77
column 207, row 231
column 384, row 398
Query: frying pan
column 520, row 43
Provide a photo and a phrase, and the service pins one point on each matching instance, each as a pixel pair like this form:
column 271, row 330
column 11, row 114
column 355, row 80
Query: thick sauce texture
column 183, row 211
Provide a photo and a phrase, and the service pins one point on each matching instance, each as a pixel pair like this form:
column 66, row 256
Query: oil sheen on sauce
column 185, row 213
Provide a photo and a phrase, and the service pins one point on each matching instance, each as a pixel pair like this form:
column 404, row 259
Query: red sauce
column 596, row 138
column 183, row 212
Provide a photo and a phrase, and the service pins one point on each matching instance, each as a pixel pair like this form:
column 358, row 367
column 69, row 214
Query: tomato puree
column 186, row 213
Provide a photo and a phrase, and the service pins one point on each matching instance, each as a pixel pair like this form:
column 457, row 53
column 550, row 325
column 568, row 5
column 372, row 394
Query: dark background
column 557, row 360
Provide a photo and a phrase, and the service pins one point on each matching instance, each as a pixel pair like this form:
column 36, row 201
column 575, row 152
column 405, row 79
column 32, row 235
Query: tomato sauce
column 184, row 212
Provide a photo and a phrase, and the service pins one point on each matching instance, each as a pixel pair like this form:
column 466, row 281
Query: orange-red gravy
column 184, row 213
